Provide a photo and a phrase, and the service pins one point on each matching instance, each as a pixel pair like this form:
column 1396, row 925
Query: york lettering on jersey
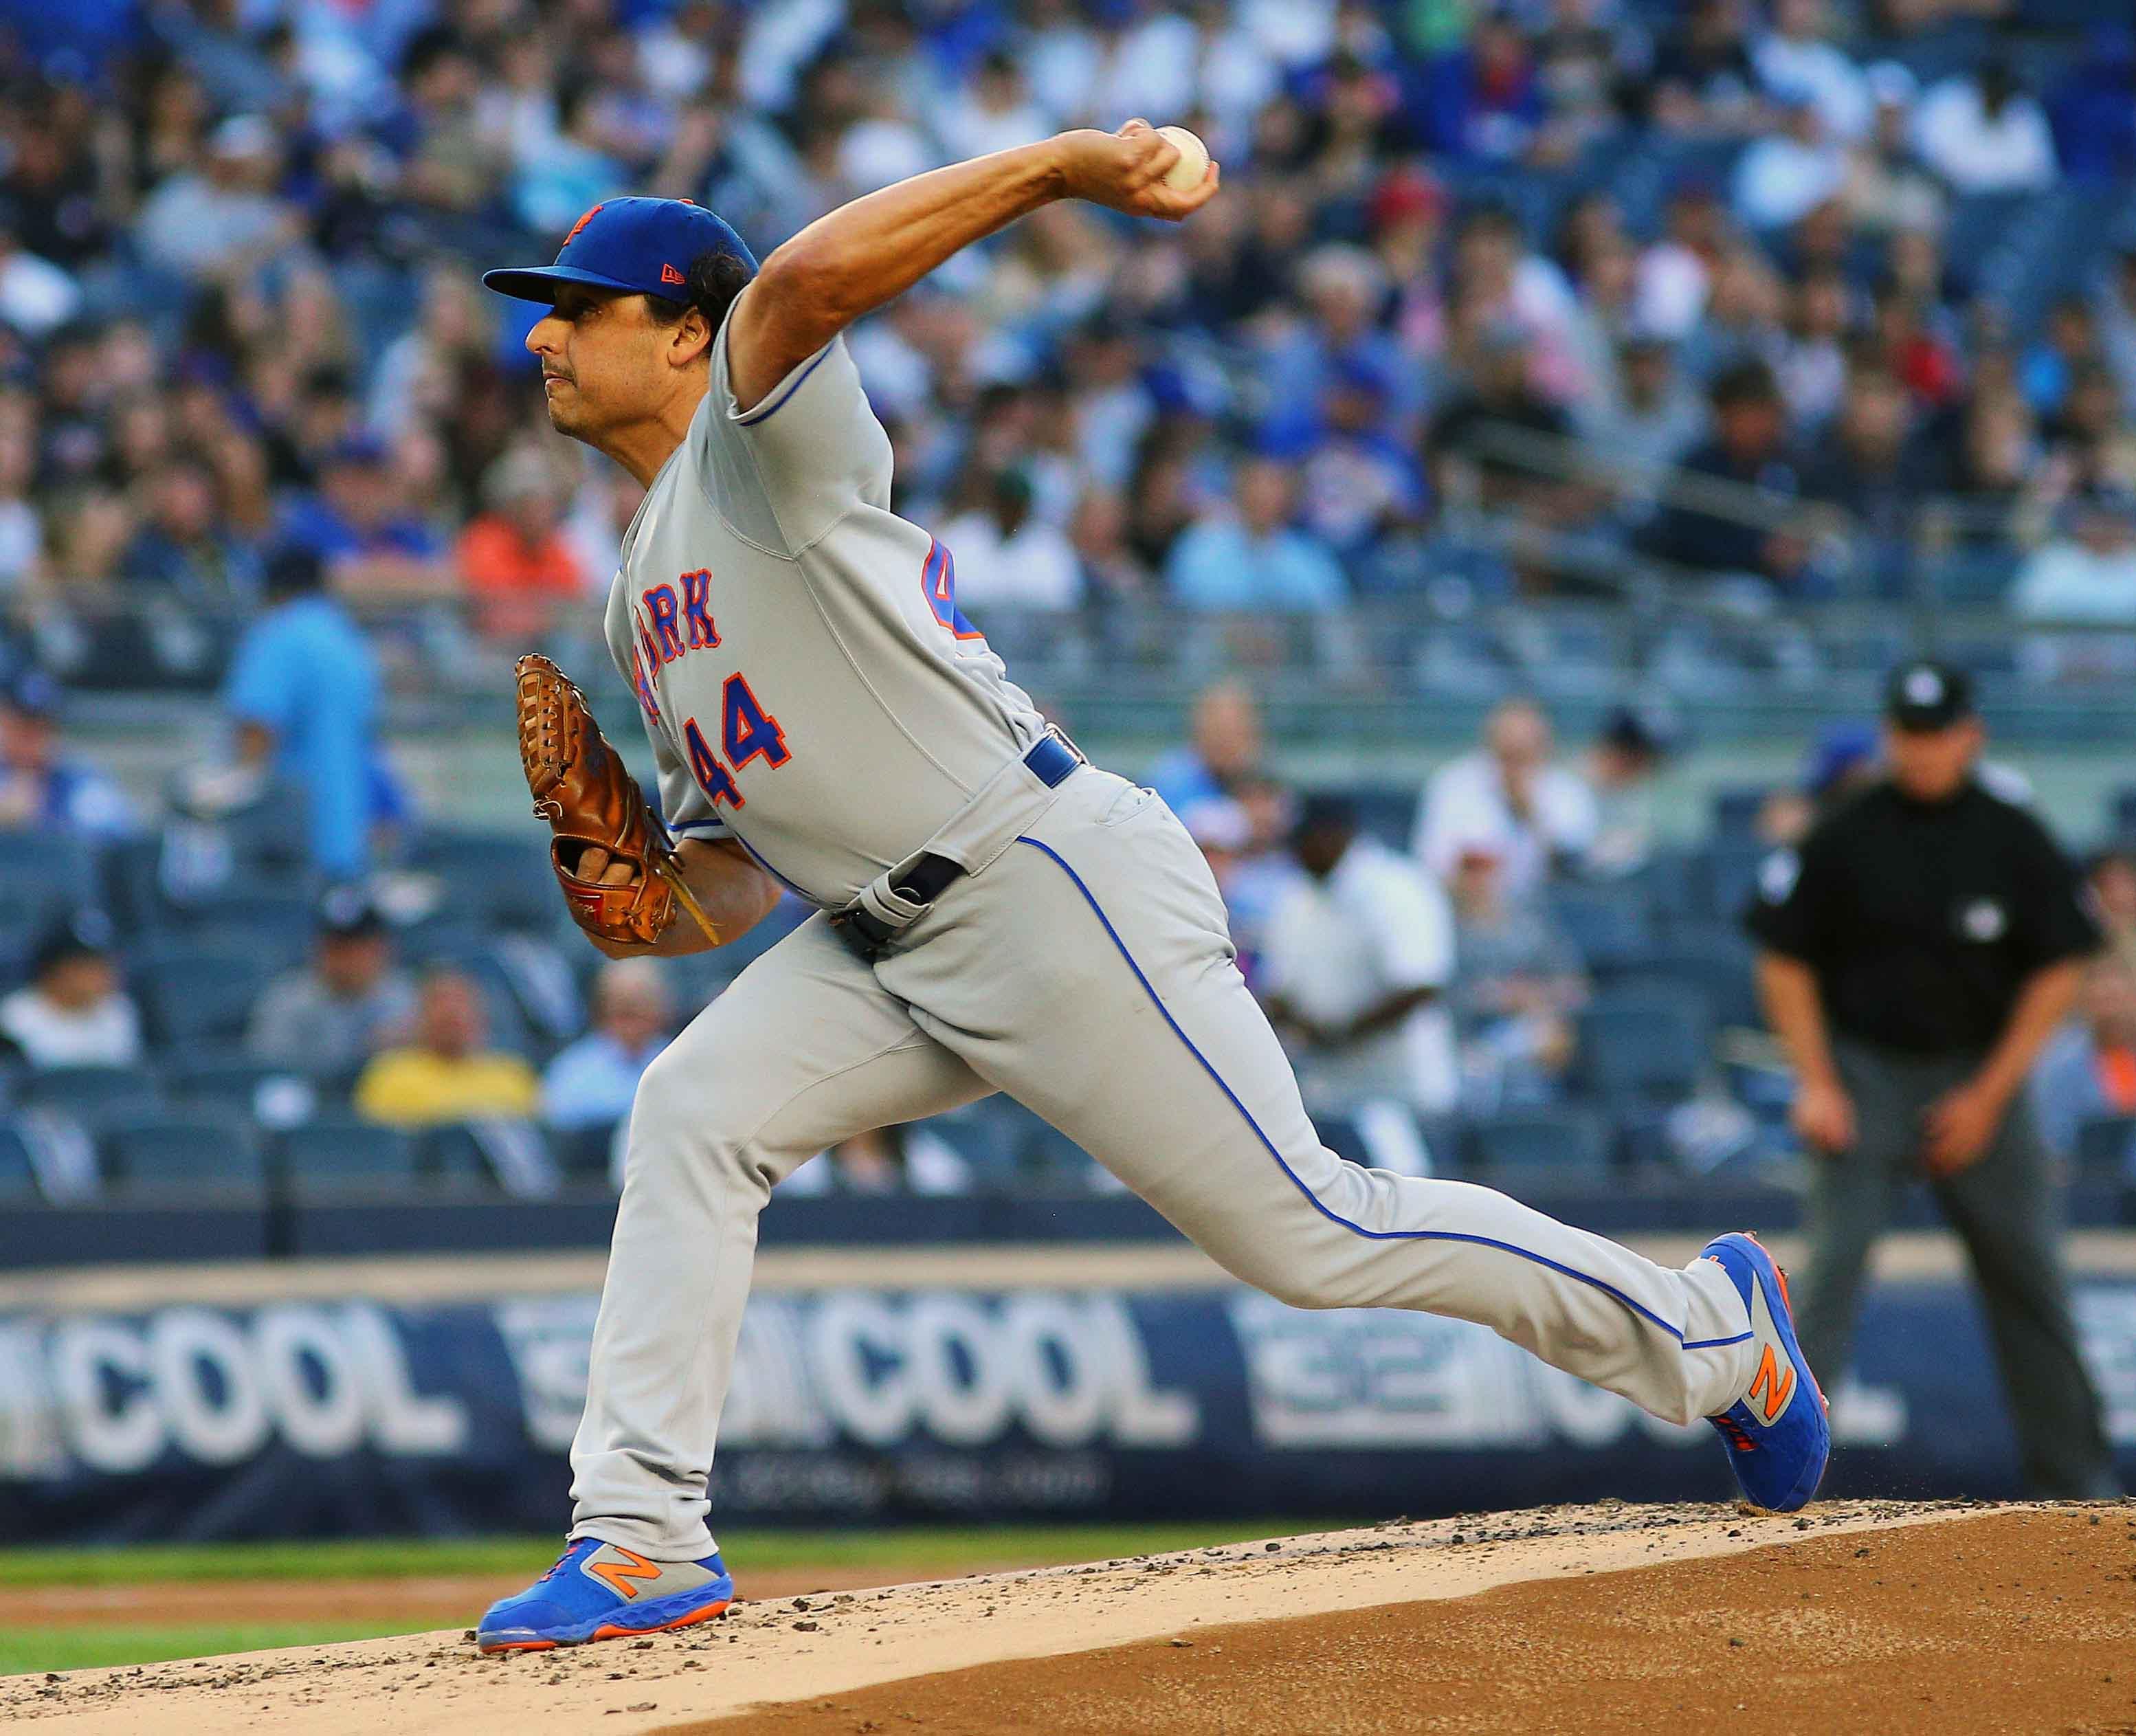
column 668, row 626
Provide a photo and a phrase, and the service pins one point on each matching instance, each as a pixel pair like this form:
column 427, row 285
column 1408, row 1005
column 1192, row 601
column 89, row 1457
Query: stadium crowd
column 1740, row 251
column 1788, row 303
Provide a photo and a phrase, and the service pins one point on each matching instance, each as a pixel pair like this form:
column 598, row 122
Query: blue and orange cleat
column 601, row 1590
column 1778, row 1435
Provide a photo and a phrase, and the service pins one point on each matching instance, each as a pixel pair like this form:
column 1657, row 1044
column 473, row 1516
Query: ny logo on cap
column 1924, row 688
column 582, row 223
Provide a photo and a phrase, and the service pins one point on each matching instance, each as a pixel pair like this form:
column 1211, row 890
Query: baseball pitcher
column 994, row 913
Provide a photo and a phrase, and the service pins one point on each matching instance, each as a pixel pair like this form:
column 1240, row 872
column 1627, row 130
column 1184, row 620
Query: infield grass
column 88, row 1648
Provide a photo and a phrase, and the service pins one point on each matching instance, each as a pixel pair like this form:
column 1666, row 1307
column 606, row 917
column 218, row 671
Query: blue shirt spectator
column 1224, row 746
column 304, row 691
column 591, row 1083
column 355, row 516
column 1256, row 561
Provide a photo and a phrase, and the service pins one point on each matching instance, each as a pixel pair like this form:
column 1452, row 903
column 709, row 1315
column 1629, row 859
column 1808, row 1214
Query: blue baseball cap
column 640, row 246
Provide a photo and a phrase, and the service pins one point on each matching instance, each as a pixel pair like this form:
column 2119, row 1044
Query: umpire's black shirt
column 1921, row 921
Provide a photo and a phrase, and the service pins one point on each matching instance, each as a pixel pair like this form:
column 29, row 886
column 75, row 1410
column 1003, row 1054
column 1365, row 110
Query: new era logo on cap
column 669, row 274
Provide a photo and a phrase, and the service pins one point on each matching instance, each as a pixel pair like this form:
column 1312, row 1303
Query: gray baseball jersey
column 808, row 683
column 812, row 690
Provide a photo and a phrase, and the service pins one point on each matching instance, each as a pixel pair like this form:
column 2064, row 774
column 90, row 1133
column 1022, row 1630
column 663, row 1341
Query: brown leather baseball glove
column 582, row 788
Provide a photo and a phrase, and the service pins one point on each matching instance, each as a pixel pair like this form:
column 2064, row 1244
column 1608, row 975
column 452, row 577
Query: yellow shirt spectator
column 446, row 1074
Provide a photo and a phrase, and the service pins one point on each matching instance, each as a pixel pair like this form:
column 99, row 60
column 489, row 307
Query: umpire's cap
column 1924, row 695
column 642, row 246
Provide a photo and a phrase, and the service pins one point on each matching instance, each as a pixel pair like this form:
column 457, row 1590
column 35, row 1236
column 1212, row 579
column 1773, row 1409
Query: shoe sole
column 606, row 1631
column 1783, row 1317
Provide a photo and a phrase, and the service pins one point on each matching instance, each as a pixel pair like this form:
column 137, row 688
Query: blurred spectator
column 1499, row 443
column 1622, row 764
column 2109, row 879
column 1743, row 521
column 1811, row 368
column 1223, row 749
column 1534, row 817
column 2088, row 1070
column 1797, row 62
column 73, row 1013
column 1886, row 187
column 518, row 562
column 224, row 218
column 185, row 547
column 1870, row 467
column 1004, row 554
column 1518, row 982
column 1648, row 424
column 1982, row 135
column 42, row 787
column 303, row 696
column 349, row 1003
column 1254, row 559
column 2087, row 574
column 1359, row 957
column 1359, row 483
column 1786, row 175
column 1703, row 79
column 2068, row 348
column 446, row 1073
column 591, row 1083
column 36, row 296
column 359, row 525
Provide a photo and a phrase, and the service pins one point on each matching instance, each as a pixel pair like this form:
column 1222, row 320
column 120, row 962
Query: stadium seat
column 503, row 876
column 1641, row 1046
column 18, row 1174
column 1572, row 1140
column 225, row 1078
column 1386, row 811
column 1606, row 928
column 91, row 1093
column 1724, row 877
column 329, row 1158
column 276, row 926
column 2106, row 1148
column 1736, row 809
column 190, row 995
column 195, row 1153
column 1710, row 960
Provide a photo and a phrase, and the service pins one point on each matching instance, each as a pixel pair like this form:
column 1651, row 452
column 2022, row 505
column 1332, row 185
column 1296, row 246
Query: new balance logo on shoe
column 1772, row 1389
column 617, row 1575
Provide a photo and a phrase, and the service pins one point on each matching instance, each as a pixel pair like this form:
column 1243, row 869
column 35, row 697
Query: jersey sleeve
column 2054, row 925
column 1797, row 889
column 785, row 470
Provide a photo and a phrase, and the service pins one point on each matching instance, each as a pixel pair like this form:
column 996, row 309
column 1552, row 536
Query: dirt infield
column 1855, row 1617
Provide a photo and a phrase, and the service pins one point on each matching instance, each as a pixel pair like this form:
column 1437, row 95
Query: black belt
column 1050, row 762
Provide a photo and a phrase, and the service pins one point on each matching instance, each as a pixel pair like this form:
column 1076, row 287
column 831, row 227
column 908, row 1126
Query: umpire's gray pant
column 2004, row 1206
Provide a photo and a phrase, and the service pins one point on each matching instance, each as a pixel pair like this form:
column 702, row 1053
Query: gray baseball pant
column 1088, row 971
column 2004, row 1207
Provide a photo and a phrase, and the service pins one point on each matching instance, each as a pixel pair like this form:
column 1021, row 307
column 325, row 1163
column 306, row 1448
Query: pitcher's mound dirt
column 1869, row 1617
column 2021, row 1622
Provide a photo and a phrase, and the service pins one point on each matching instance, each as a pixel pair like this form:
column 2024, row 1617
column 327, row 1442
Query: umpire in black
column 1913, row 958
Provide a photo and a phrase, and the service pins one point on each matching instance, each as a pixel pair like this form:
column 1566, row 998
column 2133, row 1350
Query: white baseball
column 1186, row 174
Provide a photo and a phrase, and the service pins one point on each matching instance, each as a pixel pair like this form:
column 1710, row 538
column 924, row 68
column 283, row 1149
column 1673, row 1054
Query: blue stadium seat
column 1641, row 1046
column 276, row 926
column 1724, row 877
column 196, row 1153
column 332, row 1158
column 503, row 877
column 1606, row 928
column 1712, row 960
column 224, row 1077
column 91, row 1093
column 18, row 1176
column 189, row 994
column 1386, row 811
column 1736, row 807
column 2106, row 1148
column 1570, row 1140
column 2121, row 812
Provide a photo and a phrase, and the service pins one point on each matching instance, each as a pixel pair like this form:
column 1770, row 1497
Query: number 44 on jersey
column 747, row 732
